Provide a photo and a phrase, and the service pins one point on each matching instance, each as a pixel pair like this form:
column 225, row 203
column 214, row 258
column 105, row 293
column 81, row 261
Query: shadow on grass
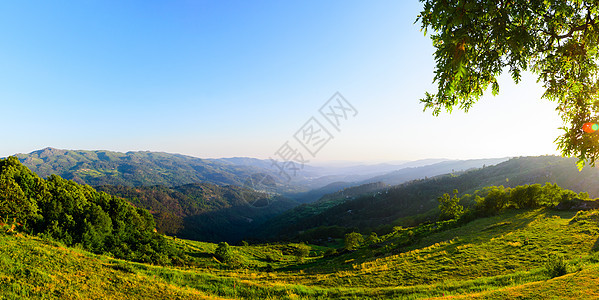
column 595, row 246
column 199, row 254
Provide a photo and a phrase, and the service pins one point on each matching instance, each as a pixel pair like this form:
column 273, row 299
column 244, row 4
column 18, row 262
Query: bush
column 556, row 266
column 270, row 258
column 353, row 240
column 330, row 252
column 372, row 238
column 223, row 253
column 269, row 268
column 301, row 251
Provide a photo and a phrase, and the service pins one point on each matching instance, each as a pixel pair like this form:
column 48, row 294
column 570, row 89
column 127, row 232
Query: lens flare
column 590, row 127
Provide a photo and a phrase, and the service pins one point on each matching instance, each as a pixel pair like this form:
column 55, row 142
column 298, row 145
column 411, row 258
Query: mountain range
column 210, row 199
column 207, row 199
column 133, row 168
column 146, row 168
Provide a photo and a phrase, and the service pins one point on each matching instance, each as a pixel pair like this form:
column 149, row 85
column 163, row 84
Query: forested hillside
column 204, row 211
column 416, row 201
column 78, row 215
column 444, row 167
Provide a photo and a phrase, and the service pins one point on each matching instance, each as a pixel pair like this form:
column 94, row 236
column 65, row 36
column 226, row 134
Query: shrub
column 301, row 251
column 330, row 252
column 270, row 258
column 372, row 238
column 353, row 240
column 223, row 252
column 556, row 266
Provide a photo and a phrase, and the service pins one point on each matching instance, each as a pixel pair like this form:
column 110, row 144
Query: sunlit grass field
column 498, row 257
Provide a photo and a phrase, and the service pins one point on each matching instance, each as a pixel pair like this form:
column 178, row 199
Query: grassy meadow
column 498, row 257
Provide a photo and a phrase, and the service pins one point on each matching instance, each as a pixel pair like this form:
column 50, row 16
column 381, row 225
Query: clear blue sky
column 239, row 78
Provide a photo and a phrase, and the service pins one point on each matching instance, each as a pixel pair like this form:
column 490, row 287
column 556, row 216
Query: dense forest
column 78, row 215
column 204, row 211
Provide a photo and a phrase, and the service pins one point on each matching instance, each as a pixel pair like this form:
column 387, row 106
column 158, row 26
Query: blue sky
column 239, row 78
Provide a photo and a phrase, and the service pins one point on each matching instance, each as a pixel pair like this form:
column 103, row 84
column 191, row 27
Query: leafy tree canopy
column 353, row 240
column 557, row 40
column 450, row 207
column 77, row 214
column 223, row 252
column 301, row 251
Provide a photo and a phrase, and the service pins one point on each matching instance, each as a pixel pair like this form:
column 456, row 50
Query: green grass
column 499, row 257
column 32, row 268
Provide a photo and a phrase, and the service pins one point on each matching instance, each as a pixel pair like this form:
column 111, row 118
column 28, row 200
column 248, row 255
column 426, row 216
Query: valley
column 404, row 249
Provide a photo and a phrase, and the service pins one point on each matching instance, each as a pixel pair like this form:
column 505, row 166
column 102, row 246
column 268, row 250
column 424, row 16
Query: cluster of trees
column 494, row 199
column 488, row 201
column 79, row 215
column 450, row 209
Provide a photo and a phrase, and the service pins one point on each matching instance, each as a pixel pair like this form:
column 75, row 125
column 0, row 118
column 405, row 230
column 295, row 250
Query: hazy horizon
column 316, row 162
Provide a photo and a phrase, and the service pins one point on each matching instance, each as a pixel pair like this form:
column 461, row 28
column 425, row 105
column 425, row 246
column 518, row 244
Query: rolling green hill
column 499, row 257
column 416, row 201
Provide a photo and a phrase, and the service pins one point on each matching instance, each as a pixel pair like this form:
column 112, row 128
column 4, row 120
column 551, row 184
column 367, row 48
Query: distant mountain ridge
column 411, row 172
column 419, row 169
column 134, row 168
column 144, row 168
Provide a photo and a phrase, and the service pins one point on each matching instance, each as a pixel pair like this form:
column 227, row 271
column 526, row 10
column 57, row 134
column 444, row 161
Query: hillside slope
column 499, row 257
column 399, row 205
column 32, row 268
column 78, row 215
